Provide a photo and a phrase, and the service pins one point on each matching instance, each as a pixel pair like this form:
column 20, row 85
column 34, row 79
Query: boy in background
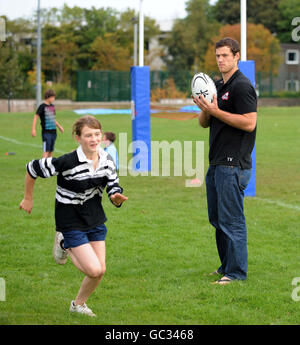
column 46, row 113
column 109, row 139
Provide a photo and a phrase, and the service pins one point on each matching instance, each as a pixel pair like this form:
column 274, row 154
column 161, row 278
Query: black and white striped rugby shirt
column 79, row 187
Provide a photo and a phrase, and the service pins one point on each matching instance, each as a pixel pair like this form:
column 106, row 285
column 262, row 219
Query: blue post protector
column 248, row 69
column 140, row 115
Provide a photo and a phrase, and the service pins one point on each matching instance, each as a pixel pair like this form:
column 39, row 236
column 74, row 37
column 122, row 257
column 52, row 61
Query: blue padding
column 190, row 109
column 101, row 111
column 248, row 69
column 141, row 128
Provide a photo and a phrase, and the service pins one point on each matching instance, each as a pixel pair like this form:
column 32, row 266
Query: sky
column 158, row 9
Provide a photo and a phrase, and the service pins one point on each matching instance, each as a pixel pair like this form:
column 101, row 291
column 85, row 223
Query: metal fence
column 108, row 86
column 103, row 86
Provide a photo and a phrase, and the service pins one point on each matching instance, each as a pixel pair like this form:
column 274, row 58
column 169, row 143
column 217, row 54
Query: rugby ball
column 203, row 85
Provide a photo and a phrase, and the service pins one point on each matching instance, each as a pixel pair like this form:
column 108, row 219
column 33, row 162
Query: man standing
column 232, row 120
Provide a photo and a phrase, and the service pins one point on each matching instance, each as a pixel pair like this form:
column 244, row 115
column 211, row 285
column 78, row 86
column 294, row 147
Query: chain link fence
column 109, row 86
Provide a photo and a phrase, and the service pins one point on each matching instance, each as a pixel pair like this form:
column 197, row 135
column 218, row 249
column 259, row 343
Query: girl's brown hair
column 88, row 121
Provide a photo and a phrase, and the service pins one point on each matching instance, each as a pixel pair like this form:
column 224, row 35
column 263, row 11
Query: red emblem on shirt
column 225, row 96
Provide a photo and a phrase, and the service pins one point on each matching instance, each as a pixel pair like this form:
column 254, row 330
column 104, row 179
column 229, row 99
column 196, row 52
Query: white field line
column 279, row 203
column 14, row 141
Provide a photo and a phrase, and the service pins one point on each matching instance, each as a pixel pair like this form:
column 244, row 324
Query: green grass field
column 160, row 245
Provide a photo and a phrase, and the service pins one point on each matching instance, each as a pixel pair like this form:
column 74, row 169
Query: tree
column 109, row 54
column 114, row 50
column 289, row 9
column 180, row 53
column 97, row 22
column 190, row 37
column 75, row 38
column 125, row 30
column 10, row 75
column 20, row 38
column 84, row 26
column 266, row 13
column 227, row 11
column 262, row 47
column 59, row 54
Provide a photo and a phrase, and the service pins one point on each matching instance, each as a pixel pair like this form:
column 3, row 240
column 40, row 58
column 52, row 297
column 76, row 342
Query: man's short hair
column 230, row 43
column 49, row 93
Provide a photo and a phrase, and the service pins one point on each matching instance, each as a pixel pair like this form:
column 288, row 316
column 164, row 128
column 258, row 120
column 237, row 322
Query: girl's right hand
column 26, row 205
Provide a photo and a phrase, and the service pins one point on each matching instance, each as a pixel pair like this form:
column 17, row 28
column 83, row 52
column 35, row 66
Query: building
column 289, row 71
column 156, row 47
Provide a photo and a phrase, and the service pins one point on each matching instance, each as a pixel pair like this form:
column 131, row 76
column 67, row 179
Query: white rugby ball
column 203, row 85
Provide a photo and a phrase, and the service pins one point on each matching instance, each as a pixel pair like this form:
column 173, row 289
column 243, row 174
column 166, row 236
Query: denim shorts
column 48, row 141
column 75, row 238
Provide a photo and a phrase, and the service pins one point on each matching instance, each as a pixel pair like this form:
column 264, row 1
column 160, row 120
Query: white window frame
column 289, row 62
